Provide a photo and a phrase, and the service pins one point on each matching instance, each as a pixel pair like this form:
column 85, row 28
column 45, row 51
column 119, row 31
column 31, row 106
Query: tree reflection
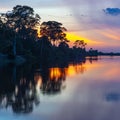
column 92, row 58
column 21, row 86
column 23, row 93
column 53, row 78
column 23, row 98
column 53, row 83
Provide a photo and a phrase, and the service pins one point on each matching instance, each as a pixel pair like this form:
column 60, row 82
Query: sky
column 95, row 21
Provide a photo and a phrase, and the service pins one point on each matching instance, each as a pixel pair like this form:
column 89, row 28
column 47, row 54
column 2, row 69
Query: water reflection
column 21, row 86
column 17, row 89
column 86, row 90
column 92, row 58
column 53, row 83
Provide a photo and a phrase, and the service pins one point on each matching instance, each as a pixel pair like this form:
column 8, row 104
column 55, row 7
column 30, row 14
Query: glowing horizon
column 73, row 37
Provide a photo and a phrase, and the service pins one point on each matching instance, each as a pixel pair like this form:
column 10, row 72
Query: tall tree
column 54, row 31
column 23, row 21
column 6, row 35
column 22, row 17
column 80, row 44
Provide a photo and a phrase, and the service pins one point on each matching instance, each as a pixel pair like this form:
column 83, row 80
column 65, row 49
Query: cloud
column 112, row 11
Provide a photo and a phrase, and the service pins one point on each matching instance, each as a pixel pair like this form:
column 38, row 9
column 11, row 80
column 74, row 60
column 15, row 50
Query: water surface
column 84, row 91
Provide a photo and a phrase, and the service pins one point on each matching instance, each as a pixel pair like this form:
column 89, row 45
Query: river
column 89, row 90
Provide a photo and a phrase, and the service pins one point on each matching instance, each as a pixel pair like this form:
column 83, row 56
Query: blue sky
column 97, row 21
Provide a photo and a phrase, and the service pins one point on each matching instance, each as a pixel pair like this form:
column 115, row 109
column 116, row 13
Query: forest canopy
column 19, row 36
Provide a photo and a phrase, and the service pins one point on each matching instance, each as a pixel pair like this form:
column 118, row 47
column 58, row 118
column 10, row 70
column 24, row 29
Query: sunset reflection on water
column 89, row 89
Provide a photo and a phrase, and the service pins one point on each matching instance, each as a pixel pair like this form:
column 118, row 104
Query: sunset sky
column 97, row 22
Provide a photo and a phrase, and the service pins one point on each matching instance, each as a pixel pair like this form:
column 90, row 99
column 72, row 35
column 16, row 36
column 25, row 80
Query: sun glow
column 73, row 37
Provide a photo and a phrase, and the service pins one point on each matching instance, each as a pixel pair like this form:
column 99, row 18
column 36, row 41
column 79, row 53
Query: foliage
column 23, row 23
column 19, row 35
column 54, row 31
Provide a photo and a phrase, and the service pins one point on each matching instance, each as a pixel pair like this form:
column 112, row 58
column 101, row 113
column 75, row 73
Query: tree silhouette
column 23, row 22
column 21, row 17
column 19, row 36
column 80, row 44
column 54, row 31
column 79, row 49
column 6, row 36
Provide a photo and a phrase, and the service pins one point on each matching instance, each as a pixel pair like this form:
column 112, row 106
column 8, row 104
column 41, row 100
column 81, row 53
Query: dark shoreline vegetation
column 19, row 36
column 20, row 41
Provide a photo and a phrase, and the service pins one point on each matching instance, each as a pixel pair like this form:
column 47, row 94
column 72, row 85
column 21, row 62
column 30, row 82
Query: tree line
column 19, row 35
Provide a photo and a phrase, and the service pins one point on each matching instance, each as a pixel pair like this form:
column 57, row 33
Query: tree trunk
column 14, row 47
